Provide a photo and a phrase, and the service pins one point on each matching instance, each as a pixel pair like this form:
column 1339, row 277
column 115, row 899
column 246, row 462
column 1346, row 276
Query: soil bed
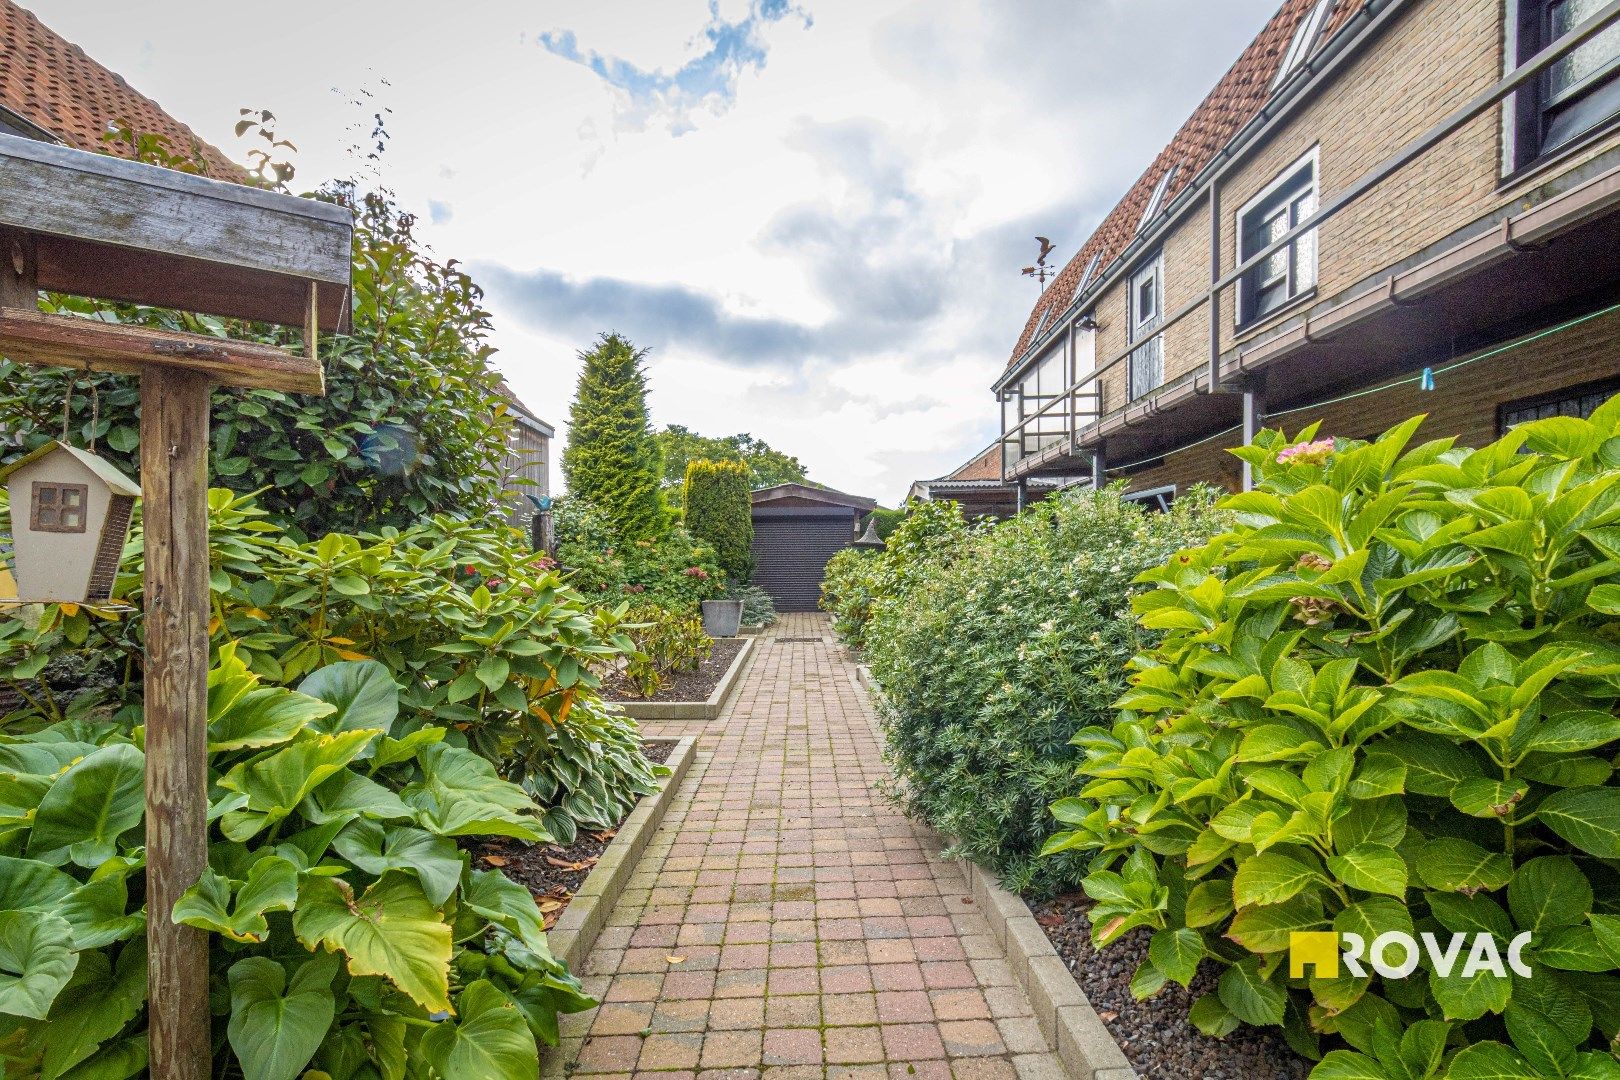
column 552, row 872
column 694, row 685
column 1155, row 1034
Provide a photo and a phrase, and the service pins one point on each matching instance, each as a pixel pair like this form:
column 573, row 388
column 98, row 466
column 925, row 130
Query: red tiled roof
column 53, row 84
column 1236, row 100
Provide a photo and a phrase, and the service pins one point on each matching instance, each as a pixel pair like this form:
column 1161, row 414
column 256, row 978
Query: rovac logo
column 1396, row 955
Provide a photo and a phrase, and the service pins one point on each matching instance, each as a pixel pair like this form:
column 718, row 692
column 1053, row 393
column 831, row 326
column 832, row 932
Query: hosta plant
column 348, row 933
column 1383, row 702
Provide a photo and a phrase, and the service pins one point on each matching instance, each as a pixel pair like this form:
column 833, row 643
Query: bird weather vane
column 1040, row 271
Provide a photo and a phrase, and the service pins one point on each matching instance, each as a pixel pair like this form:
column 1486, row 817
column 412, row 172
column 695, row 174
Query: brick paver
column 787, row 921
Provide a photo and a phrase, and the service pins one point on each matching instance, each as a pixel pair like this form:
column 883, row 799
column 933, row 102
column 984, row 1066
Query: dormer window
column 1156, row 202
column 1304, row 41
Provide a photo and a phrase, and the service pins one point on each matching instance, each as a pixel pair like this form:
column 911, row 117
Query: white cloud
column 826, row 254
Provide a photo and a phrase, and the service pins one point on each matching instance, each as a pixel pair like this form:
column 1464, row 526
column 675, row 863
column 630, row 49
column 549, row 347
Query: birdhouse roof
column 116, row 481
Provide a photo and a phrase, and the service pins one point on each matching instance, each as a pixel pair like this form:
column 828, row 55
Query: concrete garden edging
column 576, row 931
column 1065, row 1015
column 1062, row 1010
column 693, row 710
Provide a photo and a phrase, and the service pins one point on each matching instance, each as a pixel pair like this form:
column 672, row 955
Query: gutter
column 1299, row 89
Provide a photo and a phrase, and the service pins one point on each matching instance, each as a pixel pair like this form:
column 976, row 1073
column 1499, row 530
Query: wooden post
column 17, row 271
column 174, row 487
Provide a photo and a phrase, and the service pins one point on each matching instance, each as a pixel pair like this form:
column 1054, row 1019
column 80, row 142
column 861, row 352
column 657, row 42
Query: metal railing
column 1088, row 386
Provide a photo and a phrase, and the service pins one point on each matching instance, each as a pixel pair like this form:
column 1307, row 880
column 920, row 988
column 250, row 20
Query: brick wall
column 1463, row 403
column 1428, row 64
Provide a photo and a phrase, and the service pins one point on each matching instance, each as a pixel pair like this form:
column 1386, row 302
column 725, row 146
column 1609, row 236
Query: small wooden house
column 70, row 514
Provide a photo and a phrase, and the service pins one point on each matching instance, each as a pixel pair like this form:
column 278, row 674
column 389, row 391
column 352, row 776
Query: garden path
column 787, row 922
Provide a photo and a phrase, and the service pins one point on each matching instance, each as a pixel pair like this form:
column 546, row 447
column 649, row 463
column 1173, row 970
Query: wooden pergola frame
column 97, row 226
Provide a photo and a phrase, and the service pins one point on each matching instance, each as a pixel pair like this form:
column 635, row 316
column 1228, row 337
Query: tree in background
column 765, row 465
column 613, row 461
column 719, row 512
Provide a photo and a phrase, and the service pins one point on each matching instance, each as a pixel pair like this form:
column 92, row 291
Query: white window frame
column 1305, row 37
column 1313, row 159
column 1156, row 201
column 1142, row 331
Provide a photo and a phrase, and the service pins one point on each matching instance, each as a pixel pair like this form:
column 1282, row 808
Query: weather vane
column 1040, row 271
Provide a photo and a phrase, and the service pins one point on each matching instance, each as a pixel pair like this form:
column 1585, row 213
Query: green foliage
column 682, row 445
column 612, row 460
column 327, row 838
column 758, row 607
column 411, row 423
column 720, row 513
column 485, row 638
column 888, row 520
column 994, row 644
column 856, row 578
column 1385, row 700
column 675, row 571
column 666, row 642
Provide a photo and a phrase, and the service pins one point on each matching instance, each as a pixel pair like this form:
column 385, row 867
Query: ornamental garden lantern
column 69, row 519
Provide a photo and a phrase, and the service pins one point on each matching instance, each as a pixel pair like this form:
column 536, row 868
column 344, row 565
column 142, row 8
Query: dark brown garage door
column 791, row 553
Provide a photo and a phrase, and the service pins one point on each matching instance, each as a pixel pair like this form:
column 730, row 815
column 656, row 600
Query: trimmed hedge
column 718, row 510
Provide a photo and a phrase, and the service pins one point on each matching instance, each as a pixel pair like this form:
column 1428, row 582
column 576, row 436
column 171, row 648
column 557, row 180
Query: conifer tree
column 720, row 511
column 612, row 460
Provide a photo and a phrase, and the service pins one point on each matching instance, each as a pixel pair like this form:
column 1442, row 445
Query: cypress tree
column 612, row 460
column 719, row 511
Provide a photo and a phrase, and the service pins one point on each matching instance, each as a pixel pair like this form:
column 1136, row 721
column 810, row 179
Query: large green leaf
column 392, row 930
column 1348, row 1065
column 271, row 885
column 460, row 794
column 28, row 884
column 36, row 961
column 377, row 849
column 1270, row 878
column 348, row 795
column 1468, row 997
column 94, row 1007
column 1252, row 998
column 504, row 902
column 1451, row 864
column 490, row 1041
column 99, row 911
column 1587, row 817
column 266, row 716
column 276, row 1027
column 89, row 807
column 362, row 693
column 1176, row 953
column 1371, row 868
column 276, row 784
column 1547, row 892
column 1490, row 1061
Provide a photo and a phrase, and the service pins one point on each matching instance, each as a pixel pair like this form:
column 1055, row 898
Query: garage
column 797, row 528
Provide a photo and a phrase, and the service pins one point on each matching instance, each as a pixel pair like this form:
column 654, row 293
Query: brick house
column 1385, row 207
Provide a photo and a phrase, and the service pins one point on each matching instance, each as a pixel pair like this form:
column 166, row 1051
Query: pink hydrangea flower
column 1311, row 453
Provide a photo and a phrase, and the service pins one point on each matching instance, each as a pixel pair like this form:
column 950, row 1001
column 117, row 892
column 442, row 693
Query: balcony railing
column 1080, row 405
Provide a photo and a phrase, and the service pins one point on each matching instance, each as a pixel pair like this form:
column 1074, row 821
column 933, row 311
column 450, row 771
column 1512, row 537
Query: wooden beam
column 174, row 481
column 33, row 337
column 19, row 269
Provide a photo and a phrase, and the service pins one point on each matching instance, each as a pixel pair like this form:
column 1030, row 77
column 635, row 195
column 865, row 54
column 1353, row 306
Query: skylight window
column 1085, row 278
column 1157, row 201
column 1310, row 28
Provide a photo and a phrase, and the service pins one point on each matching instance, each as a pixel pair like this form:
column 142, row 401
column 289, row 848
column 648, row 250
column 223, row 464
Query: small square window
column 59, row 508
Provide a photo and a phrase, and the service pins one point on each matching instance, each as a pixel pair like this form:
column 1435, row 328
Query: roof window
column 1310, row 28
column 1156, row 203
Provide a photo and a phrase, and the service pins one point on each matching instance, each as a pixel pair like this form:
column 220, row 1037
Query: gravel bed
column 694, row 685
column 1155, row 1034
column 552, row 872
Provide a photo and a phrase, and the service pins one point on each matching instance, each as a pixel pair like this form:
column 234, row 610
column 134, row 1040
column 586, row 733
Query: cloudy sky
column 812, row 212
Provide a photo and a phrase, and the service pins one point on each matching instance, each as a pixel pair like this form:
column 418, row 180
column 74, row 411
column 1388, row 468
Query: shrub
column 612, row 460
column 334, row 828
column 483, row 637
column 665, row 643
column 758, row 607
column 1383, row 702
column 766, row 466
column 674, row 572
column 856, row 578
column 994, row 645
column 412, row 422
column 719, row 512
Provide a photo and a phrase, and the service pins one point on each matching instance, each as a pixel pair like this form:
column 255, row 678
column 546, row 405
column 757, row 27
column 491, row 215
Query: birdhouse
column 69, row 518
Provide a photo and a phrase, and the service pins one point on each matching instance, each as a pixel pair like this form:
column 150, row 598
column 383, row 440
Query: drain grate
column 800, row 640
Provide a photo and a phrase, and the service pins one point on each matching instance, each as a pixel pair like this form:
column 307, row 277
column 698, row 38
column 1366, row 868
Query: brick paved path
column 787, row 921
